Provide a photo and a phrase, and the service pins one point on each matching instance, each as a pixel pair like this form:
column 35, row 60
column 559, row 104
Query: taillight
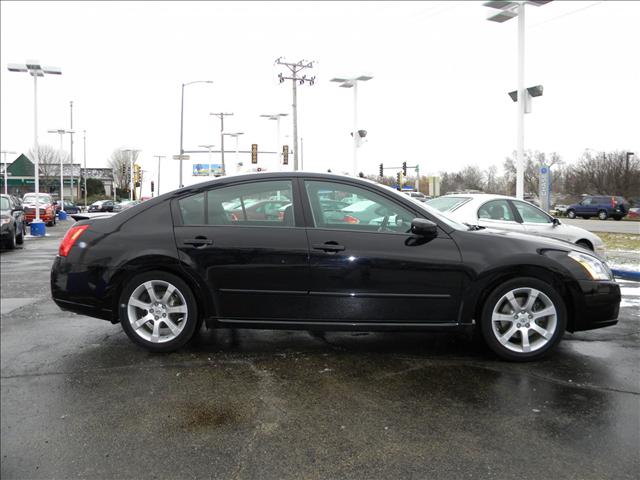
column 350, row 219
column 70, row 239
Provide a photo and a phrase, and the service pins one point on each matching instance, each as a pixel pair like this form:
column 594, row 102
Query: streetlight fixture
column 132, row 153
column 6, row 171
column 208, row 147
column 61, row 132
column 182, row 121
column 36, row 70
column 234, row 135
column 357, row 134
column 276, row 117
column 501, row 11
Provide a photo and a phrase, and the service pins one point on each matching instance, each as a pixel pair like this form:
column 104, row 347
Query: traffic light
column 404, row 168
column 152, row 186
column 254, row 153
column 399, row 178
column 381, row 170
column 137, row 175
column 124, row 170
column 285, row 154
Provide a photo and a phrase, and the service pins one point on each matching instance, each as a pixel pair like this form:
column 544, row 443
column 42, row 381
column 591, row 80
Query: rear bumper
column 45, row 217
column 597, row 305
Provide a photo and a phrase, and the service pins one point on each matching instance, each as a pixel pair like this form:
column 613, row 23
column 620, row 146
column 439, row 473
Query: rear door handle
column 328, row 247
column 198, row 241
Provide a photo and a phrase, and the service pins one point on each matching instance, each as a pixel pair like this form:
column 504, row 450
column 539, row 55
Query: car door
column 373, row 270
column 536, row 221
column 587, row 207
column 498, row 214
column 254, row 268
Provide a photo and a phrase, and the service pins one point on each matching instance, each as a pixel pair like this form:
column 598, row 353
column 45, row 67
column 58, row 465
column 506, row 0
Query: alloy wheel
column 157, row 311
column 524, row 320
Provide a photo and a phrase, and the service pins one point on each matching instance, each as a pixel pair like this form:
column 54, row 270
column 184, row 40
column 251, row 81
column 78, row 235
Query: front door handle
column 328, row 247
column 198, row 242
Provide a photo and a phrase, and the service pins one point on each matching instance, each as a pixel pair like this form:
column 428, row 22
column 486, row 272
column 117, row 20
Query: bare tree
column 49, row 165
column 120, row 162
column 607, row 173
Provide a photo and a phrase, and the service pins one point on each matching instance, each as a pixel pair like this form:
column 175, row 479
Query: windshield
column 447, row 203
column 31, row 198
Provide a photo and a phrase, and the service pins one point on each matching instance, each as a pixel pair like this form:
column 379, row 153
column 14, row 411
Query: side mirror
column 556, row 222
column 424, row 228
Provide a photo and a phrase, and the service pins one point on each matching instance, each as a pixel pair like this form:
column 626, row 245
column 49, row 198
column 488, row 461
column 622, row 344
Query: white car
column 508, row 213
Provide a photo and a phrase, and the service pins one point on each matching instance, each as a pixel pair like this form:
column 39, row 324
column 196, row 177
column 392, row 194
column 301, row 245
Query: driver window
column 531, row 214
column 496, row 210
column 345, row 207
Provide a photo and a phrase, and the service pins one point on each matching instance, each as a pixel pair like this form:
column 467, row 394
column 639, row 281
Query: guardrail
column 626, row 274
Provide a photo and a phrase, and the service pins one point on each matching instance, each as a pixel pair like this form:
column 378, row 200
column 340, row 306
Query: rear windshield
column 444, row 204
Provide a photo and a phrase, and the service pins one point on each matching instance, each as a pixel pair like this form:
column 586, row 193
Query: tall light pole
column 61, row 132
column 71, row 149
column 295, row 68
column 503, row 11
column 132, row 152
column 221, row 117
column 182, row 121
column 84, row 177
column 6, row 171
column 353, row 83
column 159, row 157
column 276, row 117
column 36, row 70
column 208, row 147
column 235, row 135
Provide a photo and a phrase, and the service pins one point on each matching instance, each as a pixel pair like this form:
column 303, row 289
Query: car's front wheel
column 523, row 319
column 158, row 311
column 602, row 215
column 571, row 213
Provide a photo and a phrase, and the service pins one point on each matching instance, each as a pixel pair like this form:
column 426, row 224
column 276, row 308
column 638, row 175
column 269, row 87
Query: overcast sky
column 438, row 96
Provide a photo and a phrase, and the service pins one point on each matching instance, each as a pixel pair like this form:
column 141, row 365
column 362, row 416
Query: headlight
column 597, row 270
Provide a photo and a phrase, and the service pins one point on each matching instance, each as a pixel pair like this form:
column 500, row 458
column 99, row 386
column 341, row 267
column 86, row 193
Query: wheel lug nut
column 164, row 314
column 518, row 325
column 527, row 325
column 530, row 316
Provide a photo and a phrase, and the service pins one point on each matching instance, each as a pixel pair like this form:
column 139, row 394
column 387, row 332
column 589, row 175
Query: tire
column 504, row 333
column 585, row 244
column 571, row 213
column 602, row 215
column 11, row 241
column 174, row 329
column 20, row 236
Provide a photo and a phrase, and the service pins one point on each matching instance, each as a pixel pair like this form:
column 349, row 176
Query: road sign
column 181, row 157
column 254, row 153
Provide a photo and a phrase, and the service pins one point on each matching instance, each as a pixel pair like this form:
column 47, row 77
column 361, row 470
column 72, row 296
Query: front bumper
column 596, row 305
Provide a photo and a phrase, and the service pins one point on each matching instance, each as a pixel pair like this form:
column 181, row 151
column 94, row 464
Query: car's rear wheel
column 602, row 215
column 523, row 319
column 158, row 311
column 20, row 235
column 10, row 244
column 571, row 213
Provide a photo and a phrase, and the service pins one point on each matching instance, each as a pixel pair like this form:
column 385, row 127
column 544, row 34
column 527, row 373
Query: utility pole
column 84, row 142
column 159, row 157
column 295, row 68
column 221, row 117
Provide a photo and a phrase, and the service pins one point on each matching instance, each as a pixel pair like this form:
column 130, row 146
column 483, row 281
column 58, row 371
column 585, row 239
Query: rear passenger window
column 496, row 210
column 192, row 209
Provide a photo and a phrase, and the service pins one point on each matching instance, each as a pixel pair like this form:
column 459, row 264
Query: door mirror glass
column 424, row 228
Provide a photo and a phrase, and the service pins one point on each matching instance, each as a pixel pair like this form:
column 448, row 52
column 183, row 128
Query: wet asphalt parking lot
column 79, row 400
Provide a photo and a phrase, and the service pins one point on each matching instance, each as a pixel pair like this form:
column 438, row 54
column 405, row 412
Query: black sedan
column 102, row 206
column 163, row 267
column 12, row 223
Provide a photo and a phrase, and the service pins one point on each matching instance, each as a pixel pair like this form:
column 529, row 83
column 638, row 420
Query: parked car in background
column 12, row 228
column 602, row 206
column 508, row 213
column 124, row 204
column 46, row 206
column 260, row 210
column 634, row 212
column 102, row 206
column 417, row 196
column 69, row 207
column 172, row 263
column 559, row 209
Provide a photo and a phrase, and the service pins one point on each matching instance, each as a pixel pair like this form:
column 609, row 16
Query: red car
column 262, row 210
column 47, row 208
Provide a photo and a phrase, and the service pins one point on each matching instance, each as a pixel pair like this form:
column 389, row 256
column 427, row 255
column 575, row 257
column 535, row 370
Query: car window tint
column 192, row 209
column 531, row 214
column 336, row 205
column 496, row 210
column 257, row 203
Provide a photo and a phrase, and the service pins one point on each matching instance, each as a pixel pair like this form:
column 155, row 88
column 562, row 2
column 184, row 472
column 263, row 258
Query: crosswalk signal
column 381, row 170
column 285, row 154
column 254, row 153
column 404, row 168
